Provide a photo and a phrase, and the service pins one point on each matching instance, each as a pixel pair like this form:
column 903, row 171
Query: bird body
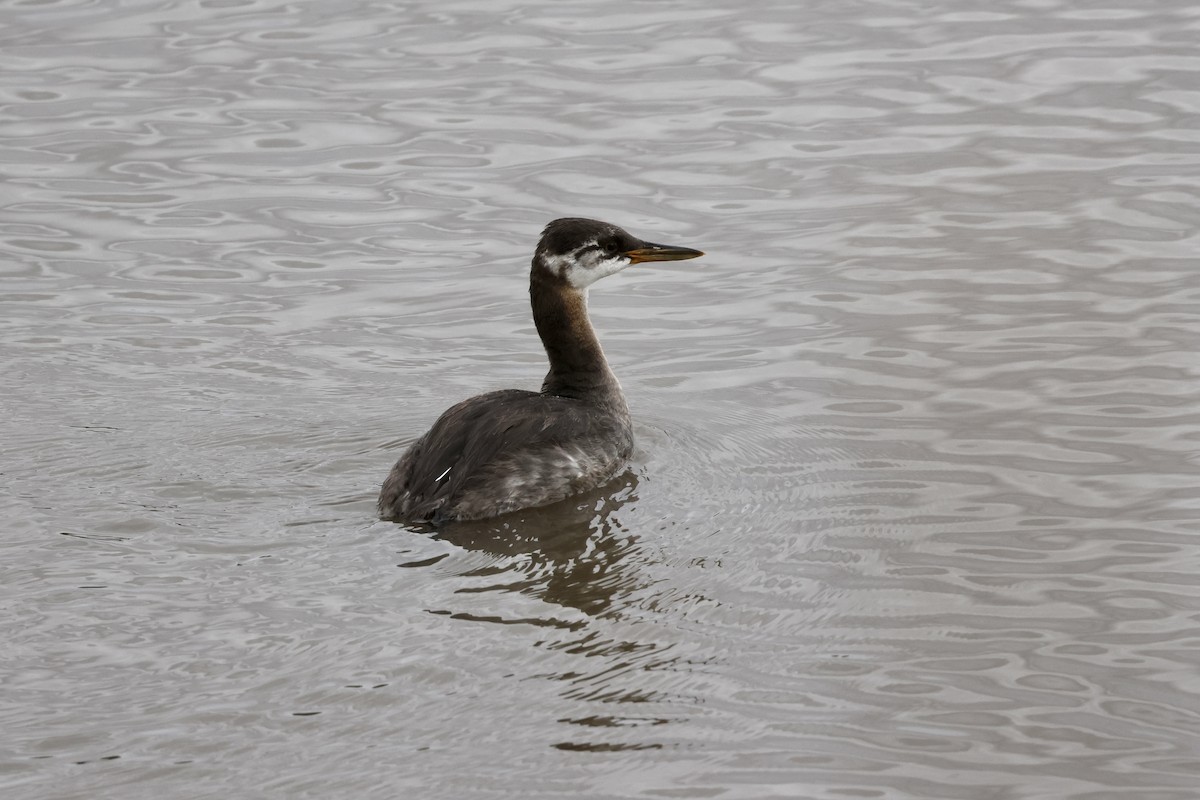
column 511, row 449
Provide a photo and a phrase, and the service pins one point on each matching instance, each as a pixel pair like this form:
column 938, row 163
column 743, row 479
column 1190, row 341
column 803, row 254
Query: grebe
column 513, row 449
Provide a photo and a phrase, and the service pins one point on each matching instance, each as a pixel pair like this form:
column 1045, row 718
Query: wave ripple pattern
column 915, row 508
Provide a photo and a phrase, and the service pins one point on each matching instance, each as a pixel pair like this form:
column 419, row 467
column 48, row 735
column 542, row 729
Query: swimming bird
column 512, row 449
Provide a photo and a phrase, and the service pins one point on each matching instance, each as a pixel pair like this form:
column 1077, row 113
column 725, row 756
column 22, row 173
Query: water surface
column 914, row 508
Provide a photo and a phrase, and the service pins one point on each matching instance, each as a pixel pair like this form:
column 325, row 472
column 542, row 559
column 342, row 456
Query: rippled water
column 914, row 512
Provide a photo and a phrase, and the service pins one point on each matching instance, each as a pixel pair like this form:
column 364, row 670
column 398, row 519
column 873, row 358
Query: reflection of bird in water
column 512, row 449
column 578, row 556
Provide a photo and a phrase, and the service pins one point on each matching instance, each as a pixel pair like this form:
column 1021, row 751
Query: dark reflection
column 579, row 555
column 576, row 552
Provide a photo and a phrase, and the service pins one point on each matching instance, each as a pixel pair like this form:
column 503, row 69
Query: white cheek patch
column 557, row 264
column 594, row 267
column 585, row 265
column 560, row 265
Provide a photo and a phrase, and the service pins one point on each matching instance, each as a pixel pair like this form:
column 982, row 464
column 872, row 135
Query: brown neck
column 577, row 364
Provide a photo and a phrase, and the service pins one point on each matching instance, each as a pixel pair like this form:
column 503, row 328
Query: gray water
column 914, row 510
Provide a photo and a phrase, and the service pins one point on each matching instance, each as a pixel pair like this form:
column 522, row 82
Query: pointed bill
column 661, row 252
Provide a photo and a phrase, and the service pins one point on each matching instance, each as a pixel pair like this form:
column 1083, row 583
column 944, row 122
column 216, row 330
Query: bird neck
column 577, row 364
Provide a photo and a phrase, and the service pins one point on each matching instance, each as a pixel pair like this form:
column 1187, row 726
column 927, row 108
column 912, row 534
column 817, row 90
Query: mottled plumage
column 512, row 449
